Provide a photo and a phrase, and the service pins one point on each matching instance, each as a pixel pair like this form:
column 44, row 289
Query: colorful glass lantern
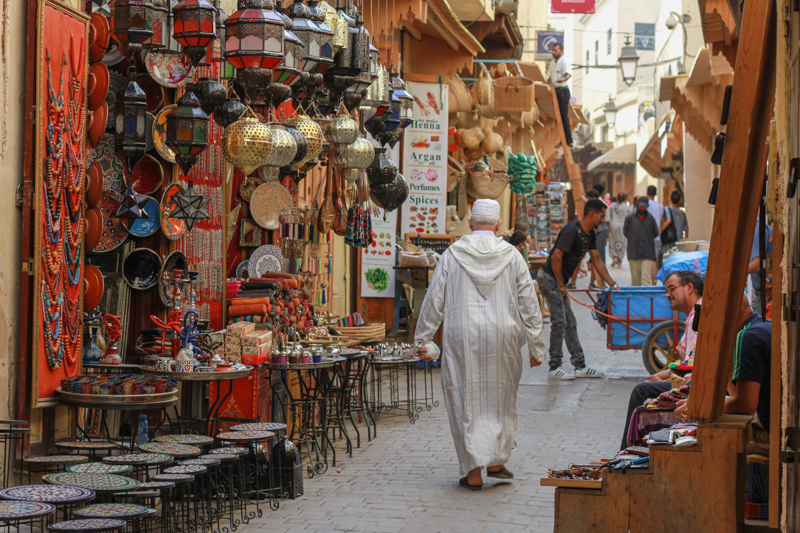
column 162, row 30
column 317, row 38
column 293, row 51
column 133, row 24
column 405, row 104
column 194, row 27
column 190, row 206
column 187, row 131
column 215, row 51
column 131, row 121
column 247, row 144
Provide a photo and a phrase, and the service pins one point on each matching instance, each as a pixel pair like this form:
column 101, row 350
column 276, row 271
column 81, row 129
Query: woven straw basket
column 486, row 185
column 368, row 333
column 514, row 93
column 455, row 171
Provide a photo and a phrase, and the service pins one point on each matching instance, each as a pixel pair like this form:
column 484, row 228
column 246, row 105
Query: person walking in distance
column 560, row 72
column 641, row 230
column 615, row 216
column 482, row 291
column 573, row 242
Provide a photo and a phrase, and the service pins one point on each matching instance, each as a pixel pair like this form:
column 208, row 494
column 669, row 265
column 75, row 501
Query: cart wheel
column 658, row 349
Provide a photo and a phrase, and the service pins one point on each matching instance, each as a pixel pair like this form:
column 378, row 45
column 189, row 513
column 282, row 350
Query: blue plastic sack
column 642, row 308
column 695, row 261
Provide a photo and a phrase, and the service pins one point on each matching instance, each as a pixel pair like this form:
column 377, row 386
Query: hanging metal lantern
column 130, row 205
column 161, row 26
column 133, row 24
column 342, row 129
column 336, row 23
column 247, row 144
column 374, row 61
column 312, row 131
column 317, row 38
column 211, row 94
column 216, row 48
column 229, row 112
column 301, row 142
column 405, row 104
column 390, row 195
column 283, row 152
column 131, row 121
column 358, row 156
column 382, row 170
column 189, row 206
column 293, row 51
column 187, row 131
column 194, row 27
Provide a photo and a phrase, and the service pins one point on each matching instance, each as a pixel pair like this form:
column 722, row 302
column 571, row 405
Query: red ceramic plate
column 94, row 184
column 94, row 286
column 99, row 34
column 94, row 227
column 98, row 84
column 155, row 92
column 97, row 125
column 147, row 175
column 172, row 228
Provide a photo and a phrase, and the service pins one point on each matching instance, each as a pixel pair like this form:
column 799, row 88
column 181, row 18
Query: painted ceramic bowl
column 141, row 268
column 147, row 175
column 93, row 287
column 94, row 227
column 172, row 227
column 144, row 227
column 94, row 184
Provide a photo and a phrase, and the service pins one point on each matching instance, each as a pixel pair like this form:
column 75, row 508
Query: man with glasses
column 684, row 289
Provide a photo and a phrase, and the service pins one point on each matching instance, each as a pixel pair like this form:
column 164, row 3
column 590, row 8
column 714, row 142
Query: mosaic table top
column 169, row 448
column 139, row 459
column 100, row 468
column 246, row 436
column 47, row 493
column 204, row 461
column 96, row 482
column 57, row 459
column 259, row 426
column 157, row 485
column 177, row 478
column 235, row 450
column 186, row 469
column 87, row 445
column 88, row 524
column 185, row 439
column 112, row 510
column 14, row 510
column 220, row 456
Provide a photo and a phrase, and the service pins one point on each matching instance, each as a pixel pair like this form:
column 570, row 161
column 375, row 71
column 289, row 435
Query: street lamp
column 628, row 60
column 610, row 111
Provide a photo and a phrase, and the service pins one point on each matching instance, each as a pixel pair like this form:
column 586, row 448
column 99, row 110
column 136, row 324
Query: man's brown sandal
column 503, row 473
column 463, row 482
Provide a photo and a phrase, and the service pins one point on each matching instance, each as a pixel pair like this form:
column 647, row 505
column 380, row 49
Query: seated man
column 684, row 289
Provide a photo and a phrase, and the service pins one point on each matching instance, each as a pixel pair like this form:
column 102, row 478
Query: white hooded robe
column 483, row 292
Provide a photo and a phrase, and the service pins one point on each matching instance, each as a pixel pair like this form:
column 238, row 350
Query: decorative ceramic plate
column 94, row 227
column 58, row 459
column 116, row 82
column 157, row 485
column 169, row 69
column 267, row 202
column 47, row 493
column 266, row 263
column 160, row 134
column 113, row 56
column 114, row 230
column 172, row 228
column 246, row 436
column 144, row 227
column 88, row 524
column 176, row 478
column 156, row 94
column 176, row 259
column 100, row 468
column 141, row 268
column 96, row 482
column 113, row 167
column 99, row 79
column 241, row 269
column 202, row 461
column 235, row 450
column 149, row 122
column 186, row 469
column 12, row 510
column 259, row 426
column 176, row 450
column 147, row 175
column 112, row 510
column 87, row 445
column 139, row 459
column 185, row 439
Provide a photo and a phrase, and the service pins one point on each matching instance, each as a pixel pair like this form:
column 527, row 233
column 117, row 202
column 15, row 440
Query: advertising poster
column 425, row 161
column 377, row 260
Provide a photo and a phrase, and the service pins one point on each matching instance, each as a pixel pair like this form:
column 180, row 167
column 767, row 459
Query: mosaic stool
column 89, row 525
column 64, row 497
column 50, row 464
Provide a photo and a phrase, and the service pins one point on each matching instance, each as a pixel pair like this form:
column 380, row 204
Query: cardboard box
column 237, row 330
column 254, row 359
column 257, row 338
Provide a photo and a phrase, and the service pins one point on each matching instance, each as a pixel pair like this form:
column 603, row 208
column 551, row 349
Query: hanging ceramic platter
column 94, row 227
column 113, row 167
column 147, row 175
column 113, row 55
column 241, row 269
column 160, row 135
column 94, row 287
column 156, row 94
column 116, row 82
column 141, row 268
column 266, row 263
column 267, row 202
column 176, row 259
column 144, row 227
column 172, row 228
column 169, row 69
column 114, row 230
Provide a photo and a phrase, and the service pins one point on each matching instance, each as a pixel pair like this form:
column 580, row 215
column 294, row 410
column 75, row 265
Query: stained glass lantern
column 247, row 144
column 317, row 38
column 284, row 149
column 194, row 27
column 215, row 51
column 190, row 206
column 131, row 122
column 133, row 24
column 293, row 51
column 161, row 26
column 404, row 103
column 187, row 131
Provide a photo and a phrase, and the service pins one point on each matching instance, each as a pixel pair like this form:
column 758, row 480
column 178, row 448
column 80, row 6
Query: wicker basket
column 497, row 164
column 514, row 93
column 483, row 185
column 484, row 91
column 367, row 333
column 455, row 172
column 459, row 99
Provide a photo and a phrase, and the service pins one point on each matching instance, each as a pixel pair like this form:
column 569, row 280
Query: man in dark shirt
column 641, row 229
column 574, row 240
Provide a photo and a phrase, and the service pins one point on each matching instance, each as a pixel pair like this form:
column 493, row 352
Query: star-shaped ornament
column 190, row 206
column 130, row 204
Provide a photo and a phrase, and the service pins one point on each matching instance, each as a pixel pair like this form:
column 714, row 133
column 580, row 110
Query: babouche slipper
column 504, row 473
column 463, row 482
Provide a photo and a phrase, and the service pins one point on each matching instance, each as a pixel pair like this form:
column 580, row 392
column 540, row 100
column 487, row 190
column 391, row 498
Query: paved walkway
column 407, row 478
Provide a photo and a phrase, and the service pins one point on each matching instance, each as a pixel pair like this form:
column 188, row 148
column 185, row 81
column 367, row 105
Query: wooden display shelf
column 572, row 483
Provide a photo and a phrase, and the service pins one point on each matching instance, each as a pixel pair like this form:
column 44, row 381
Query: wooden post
column 572, row 169
column 740, row 187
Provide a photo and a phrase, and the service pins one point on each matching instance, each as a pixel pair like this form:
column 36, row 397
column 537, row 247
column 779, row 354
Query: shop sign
column 425, row 160
column 572, row 6
column 377, row 260
column 545, row 40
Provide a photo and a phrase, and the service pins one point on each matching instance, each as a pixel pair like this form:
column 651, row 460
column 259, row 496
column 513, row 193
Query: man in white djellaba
column 483, row 292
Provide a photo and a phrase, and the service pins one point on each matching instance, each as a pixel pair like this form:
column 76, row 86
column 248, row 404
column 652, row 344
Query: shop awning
column 665, row 145
column 618, row 157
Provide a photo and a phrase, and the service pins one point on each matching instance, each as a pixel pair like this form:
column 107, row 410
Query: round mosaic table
column 179, row 451
column 224, row 457
column 112, row 510
column 13, row 511
column 94, row 525
column 87, row 445
column 139, row 459
column 259, row 426
column 246, row 436
column 228, row 450
column 196, row 440
column 56, row 494
column 202, row 461
column 174, row 478
column 96, row 482
column 195, row 470
column 160, row 485
column 100, row 468
column 57, row 459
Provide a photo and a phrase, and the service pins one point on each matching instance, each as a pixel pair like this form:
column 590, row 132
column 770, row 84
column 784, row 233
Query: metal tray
column 116, row 398
column 199, row 376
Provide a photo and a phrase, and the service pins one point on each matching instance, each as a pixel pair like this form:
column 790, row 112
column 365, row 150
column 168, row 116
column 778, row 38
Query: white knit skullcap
column 485, row 207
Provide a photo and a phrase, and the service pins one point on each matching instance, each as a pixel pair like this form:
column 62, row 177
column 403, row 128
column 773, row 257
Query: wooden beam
column 573, row 170
column 413, row 30
column 740, row 187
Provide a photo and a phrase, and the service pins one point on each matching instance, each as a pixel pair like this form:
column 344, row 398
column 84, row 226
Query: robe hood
column 483, row 258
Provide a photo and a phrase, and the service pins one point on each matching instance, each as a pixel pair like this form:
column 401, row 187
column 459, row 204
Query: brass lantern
column 358, row 156
column 247, row 144
column 194, row 29
column 187, row 131
column 284, row 148
column 342, row 130
column 133, row 24
column 313, row 134
column 131, row 122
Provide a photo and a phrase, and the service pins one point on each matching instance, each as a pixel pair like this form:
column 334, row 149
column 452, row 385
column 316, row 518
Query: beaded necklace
column 53, row 342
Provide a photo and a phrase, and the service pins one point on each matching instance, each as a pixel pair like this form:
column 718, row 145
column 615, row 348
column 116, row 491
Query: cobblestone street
column 406, row 479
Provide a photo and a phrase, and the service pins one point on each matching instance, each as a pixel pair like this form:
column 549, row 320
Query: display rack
column 547, row 209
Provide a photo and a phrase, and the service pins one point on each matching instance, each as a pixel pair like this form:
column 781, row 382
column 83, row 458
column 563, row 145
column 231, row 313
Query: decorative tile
column 246, row 436
column 57, row 459
column 157, row 485
column 96, row 482
column 235, row 450
column 47, row 493
column 201, row 461
column 112, row 510
column 176, row 450
column 259, row 426
column 186, row 469
column 185, row 439
column 88, row 524
column 87, row 445
column 100, row 468
column 14, row 510
column 139, row 459
column 178, row 478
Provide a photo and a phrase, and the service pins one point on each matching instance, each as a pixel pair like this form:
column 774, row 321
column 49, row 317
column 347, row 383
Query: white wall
column 698, row 176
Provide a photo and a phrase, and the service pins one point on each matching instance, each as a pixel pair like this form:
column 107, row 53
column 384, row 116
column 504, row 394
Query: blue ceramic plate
column 144, row 227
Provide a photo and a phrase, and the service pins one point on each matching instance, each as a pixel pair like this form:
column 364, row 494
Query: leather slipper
column 463, row 483
column 505, row 473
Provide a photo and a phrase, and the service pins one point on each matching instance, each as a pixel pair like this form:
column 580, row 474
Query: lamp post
column 610, row 111
column 628, row 61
